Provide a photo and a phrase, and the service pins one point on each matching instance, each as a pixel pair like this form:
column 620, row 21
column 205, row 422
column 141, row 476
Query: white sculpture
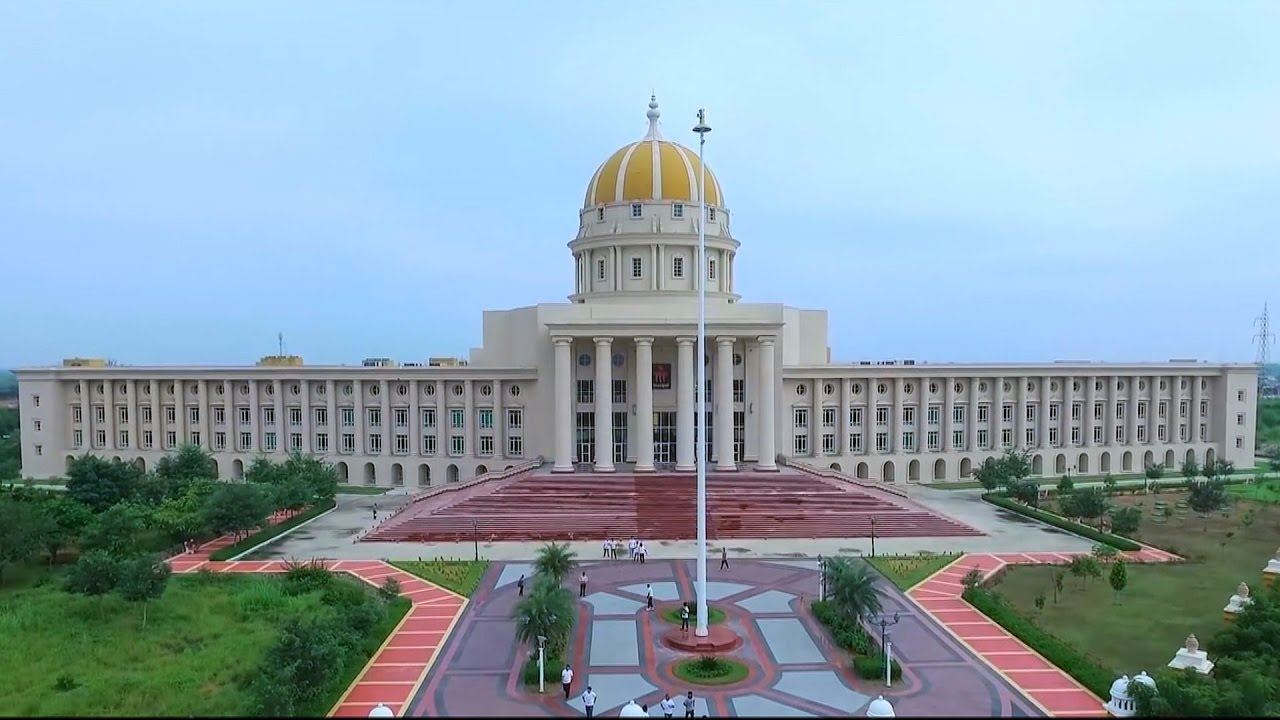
column 1238, row 603
column 880, row 708
column 1272, row 570
column 382, row 711
column 1122, row 704
column 1191, row 656
column 632, row 710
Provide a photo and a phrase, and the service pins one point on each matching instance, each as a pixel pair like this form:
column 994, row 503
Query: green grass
column 203, row 640
column 1269, row 424
column 1115, row 541
column 271, row 531
column 710, row 670
column 1162, row 602
column 906, row 571
column 1268, row 493
column 460, row 576
column 715, row 615
column 1170, row 476
column 361, row 490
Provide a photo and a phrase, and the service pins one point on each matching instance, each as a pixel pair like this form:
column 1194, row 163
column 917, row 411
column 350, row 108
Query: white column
column 1196, row 395
column 357, row 393
column 442, row 422
column 995, row 421
column 255, row 419
column 86, row 415
column 895, row 421
column 1090, row 398
column 766, row 408
column 179, row 414
column 499, row 422
column 157, row 416
column 415, row 419
column 388, row 429
column 135, row 423
column 304, row 392
column 206, row 408
column 1131, row 418
column 922, row 419
column 644, row 404
column 604, row 404
column 1042, row 435
column 724, row 405
column 333, row 429
column 1153, row 409
column 230, row 424
column 1175, row 417
column 684, row 404
column 815, row 424
column 1109, row 414
column 948, row 412
column 842, row 424
column 563, row 417
column 1020, row 420
column 469, row 420
column 282, row 423
column 109, row 412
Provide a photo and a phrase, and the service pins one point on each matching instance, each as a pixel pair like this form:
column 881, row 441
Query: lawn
column 460, row 576
column 361, row 489
column 71, row 655
column 715, row 615
column 1163, row 602
column 906, row 571
column 1268, row 493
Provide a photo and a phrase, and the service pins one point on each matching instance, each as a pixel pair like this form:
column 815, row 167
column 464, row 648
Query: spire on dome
column 655, row 132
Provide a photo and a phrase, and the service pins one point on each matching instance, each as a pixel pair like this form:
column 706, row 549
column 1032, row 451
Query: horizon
column 952, row 185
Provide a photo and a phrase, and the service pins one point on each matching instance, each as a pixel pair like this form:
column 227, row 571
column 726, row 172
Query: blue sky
column 952, row 181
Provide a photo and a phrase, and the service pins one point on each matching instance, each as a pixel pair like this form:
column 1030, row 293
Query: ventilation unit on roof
column 378, row 362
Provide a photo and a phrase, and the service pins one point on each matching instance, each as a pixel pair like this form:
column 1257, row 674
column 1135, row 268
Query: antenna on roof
column 1264, row 337
column 280, row 341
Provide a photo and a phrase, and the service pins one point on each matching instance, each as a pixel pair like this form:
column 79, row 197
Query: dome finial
column 655, row 133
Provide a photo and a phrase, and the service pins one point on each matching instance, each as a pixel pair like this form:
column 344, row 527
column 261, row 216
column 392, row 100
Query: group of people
column 589, row 698
column 612, row 548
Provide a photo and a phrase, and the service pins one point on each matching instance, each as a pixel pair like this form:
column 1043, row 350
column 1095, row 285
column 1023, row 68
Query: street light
column 542, row 670
column 475, row 538
column 886, row 641
column 873, row 536
column 822, row 571
column 702, row 129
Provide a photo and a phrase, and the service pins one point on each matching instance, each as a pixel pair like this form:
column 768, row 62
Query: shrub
column 552, row 666
column 263, row 596
column 871, row 667
column 65, row 683
column 390, row 589
column 302, row 578
column 94, row 574
column 1058, row 521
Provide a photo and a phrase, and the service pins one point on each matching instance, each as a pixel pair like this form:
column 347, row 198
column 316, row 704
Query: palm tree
column 548, row 611
column 852, row 588
column 554, row 562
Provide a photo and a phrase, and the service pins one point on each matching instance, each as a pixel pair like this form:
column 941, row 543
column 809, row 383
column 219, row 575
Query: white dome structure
column 382, row 711
column 632, row 710
column 1122, row 704
column 880, row 708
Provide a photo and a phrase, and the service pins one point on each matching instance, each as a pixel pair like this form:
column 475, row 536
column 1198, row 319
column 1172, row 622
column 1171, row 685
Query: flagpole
column 702, row 129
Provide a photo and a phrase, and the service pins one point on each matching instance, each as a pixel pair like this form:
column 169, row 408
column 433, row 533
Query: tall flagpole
column 701, row 449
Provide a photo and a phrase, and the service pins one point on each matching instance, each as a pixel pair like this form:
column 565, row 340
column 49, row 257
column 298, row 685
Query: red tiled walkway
column 1056, row 692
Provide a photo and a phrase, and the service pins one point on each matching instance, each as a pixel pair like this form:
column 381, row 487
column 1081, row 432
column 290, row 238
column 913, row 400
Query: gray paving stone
column 612, row 691
column 608, row 604
column 769, row 601
column 805, row 564
column 759, row 706
column 717, row 590
column 662, row 591
column 512, row 572
column 821, row 686
column 789, row 641
column 613, row 644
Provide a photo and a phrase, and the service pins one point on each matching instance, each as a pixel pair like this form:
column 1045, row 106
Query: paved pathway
column 1054, row 691
column 795, row 670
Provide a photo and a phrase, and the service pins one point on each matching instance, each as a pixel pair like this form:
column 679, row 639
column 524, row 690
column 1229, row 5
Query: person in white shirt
column 566, row 679
column 689, row 705
column 642, row 551
column 648, row 596
column 668, row 706
column 608, row 547
column 589, row 700
column 631, row 548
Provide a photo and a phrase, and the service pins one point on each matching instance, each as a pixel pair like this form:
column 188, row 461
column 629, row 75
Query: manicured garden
column 715, row 615
column 345, row 489
column 710, row 670
column 851, row 596
column 906, row 571
column 460, row 576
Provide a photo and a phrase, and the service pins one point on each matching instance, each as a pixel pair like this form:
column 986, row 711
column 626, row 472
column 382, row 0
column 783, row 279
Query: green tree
column 94, row 574
column 547, row 611
column 1059, row 579
column 1104, row 553
column 851, row 587
column 1092, row 568
column 190, row 463
column 1154, row 472
column 1109, row 482
column 1065, row 485
column 1025, row 491
column 100, row 484
column 1039, row 601
column 299, row 666
column 119, row 530
column 1119, row 578
column 1126, row 520
column 184, row 515
column 18, row 539
column 1017, row 464
column 142, row 579
column 991, row 474
column 1088, row 503
column 61, row 522
column 554, row 561
column 1079, row 567
column 320, row 476
column 972, row 579
column 237, row 508
column 1189, row 470
column 1206, row 497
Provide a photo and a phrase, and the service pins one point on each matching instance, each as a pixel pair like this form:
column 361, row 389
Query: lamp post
column 822, row 571
column 475, row 538
column 884, row 623
column 873, row 536
column 702, row 129
column 542, row 663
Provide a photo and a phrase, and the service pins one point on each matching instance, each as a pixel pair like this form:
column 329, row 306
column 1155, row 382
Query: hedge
column 1088, row 671
column 1058, row 521
column 871, row 667
column 271, row 531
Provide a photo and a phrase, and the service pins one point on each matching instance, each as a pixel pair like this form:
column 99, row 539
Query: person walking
column 608, row 547
column 566, row 679
column 631, row 548
column 520, row 586
column 684, row 618
column 668, row 706
column 689, row 704
column 582, row 585
column 643, row 551
column 724, row 557
column 648, row 596
column 617, row 549
column 589, row 700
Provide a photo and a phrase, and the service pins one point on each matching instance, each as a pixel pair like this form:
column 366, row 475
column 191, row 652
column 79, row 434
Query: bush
column 552, row 667
column 390, row 589
column 302, row 578
column 848, row 635
column 1088, row 671
column 1058, row 521
column 65, row 683
column 95, row 574
column 871, row 667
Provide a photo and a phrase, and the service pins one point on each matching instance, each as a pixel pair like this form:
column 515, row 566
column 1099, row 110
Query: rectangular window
column 401, row 417
column 484, row 418
column 193, row 415
column 1119, row 433
column 75, row 414
column 933, row 439
column 244, row 416
column 882, row 416
column 457, row 445
column 402, row 444
column 801, row 418
column 983, row 440
column 1142, row 409
column 1204, row 433
column 1119, row 411
column 586, row 391
column 245, row 440
column 636, row 210
column 1076, row 410
column 322, row 442
column 908, row 415
column 348, row 417
column 77, row 438
column 1097, row 411
column 1239, row 442
column 855, row 416
column 1031, row 413
column 1182, row 409
column 321, row 417
column 220, row 416
column 486, row 445
column 1006, row 438
column 1239, row 418
column 148, row 440
column 220, row 440
column 35, row 425
column 428, row 417
column 348, row 442
column 600, row 214
column 515, row 419
column 1097, row 434
column 636, row 266
column 1006, row 412
column 828, row 417
column 122, row 413
column 193, row 437
column 711, row 269
column 677, row 267
column 739, row 390
column 1204, row 407
column 855, row 443
column 882, row 442
column 711, row 214
column 1030, row 437
column 800, row 444
column 428, row 444
column 100, row 438
column 269, row 441
column 828, row 444
column 1054, row 410
column 957, row 414
column 375, row 442
column 677, row 210
column 957, row 440
column 100, row 414
column 1075, row 436
column 935, row 414
column 268, row 416
column 375, row 417
column 1142, row 433
column 515, row 446
column 295, row 441
column 619, row 391
column 1162, row 409
column 1053, row 436
column 35, row 401
column 984, row 412
column 1239, row 396
column 122, row 439
column 600, row 270
column 457, row 419
column 295, row 416
column 1160, row 433
column 170, row 440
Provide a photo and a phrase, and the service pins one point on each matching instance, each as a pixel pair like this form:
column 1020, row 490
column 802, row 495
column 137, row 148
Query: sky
column 976, row 181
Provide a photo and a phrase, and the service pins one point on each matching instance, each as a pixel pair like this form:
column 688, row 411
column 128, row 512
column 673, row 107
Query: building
column 616, row 364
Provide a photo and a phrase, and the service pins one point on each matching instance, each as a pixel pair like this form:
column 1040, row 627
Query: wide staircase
column 590, row 506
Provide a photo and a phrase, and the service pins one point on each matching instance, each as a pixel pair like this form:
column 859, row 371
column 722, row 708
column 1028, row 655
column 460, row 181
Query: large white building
column 616, row 363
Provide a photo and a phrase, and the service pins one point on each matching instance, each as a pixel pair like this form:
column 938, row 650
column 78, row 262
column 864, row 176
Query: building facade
column 614, row 367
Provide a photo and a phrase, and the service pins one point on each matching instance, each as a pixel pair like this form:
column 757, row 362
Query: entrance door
column 585, row 437
column 664, row 437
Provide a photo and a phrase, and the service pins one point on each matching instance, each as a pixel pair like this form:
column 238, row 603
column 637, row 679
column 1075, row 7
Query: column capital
column 643, row 340
column 766, row 340
column 602, row 340
column 725, row 339
column 561, row 340
column 685, row 340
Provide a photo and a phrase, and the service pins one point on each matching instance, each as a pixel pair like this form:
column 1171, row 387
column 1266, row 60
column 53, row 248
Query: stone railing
column 837, row 475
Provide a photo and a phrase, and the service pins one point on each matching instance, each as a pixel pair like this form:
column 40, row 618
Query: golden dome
column 653, row 168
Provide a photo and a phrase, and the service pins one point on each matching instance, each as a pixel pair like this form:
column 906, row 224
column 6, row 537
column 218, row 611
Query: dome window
column 677, row 211
column 636, row 209
column 711, row 214
column 677, row 267
column 600, row 269
column 600, row 214
column 711, row 269
column 637, row 265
